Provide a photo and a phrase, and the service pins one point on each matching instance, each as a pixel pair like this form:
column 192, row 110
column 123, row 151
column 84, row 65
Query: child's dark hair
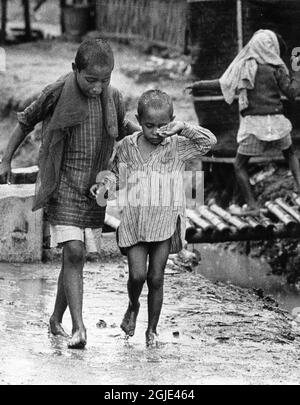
column 96, row 51
column 156, row 99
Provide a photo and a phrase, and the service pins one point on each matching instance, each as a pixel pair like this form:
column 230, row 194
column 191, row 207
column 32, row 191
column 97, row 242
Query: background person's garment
column 263, row 48
column 270, row 83
column 76, row 145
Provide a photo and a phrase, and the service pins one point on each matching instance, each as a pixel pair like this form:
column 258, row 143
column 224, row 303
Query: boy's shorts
column 252, row 146
column 65, row 233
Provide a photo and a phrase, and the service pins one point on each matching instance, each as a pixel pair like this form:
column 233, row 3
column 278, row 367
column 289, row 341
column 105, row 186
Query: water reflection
column 29, row 354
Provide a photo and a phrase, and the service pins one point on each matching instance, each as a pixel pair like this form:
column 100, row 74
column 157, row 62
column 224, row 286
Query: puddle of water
column 218, row 264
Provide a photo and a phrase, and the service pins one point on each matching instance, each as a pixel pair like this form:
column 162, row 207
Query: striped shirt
column 154, row 206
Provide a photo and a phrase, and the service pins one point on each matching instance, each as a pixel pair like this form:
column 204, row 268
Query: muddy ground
column 209, row 333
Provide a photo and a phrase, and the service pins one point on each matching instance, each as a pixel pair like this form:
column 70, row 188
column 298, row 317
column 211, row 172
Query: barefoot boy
column 82, row 117
column 153, row 220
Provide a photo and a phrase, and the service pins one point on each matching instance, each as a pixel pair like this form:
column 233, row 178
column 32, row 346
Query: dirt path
column 209, row 333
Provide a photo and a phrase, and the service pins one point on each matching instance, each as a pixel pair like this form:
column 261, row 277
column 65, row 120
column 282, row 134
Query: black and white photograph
column 149, row 195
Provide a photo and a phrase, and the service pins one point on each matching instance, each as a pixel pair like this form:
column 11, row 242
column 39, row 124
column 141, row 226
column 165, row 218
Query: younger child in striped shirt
column 152, row 163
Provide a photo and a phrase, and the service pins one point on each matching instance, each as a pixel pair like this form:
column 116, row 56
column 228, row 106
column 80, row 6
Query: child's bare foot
column 55, row 328
column 151, row 338
column 78, row 340
column 129, row 321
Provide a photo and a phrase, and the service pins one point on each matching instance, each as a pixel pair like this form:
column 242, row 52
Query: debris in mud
column 270, row 303
column 222, row 338
column 176, row 334
column 158, row 68
column 92, row 257
column 101, row 324
column 184, row 260
column 39, row 323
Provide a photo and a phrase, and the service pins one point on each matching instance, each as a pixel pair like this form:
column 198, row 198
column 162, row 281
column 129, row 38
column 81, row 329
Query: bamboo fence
column 155, row 21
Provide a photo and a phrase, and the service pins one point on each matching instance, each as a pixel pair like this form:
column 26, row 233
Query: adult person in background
column 259, row 76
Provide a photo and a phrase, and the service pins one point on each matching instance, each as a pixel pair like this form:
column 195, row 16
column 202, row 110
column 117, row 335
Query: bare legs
column 158, row 257
column 70, row 292
column 60, row 306
column 293, row 163
column 137, row 261
column 242, row 176
column 70, row 289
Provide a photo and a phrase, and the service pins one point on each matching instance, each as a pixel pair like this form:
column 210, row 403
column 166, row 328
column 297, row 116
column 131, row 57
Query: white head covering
column 263, row 48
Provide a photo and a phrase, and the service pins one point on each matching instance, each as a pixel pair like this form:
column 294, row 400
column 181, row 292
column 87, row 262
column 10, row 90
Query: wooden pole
column 233, row 220
column 283, row 216
column 27, row 19
column 290, row 210
column 239, row 23
column 3, row 21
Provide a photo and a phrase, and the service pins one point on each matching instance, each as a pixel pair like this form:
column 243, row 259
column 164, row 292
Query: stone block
column 21, row 230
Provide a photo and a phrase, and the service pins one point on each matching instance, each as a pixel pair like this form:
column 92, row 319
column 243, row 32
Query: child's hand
column 193, row 86
column 171, row 129
column 188, row 89
column 99, row 191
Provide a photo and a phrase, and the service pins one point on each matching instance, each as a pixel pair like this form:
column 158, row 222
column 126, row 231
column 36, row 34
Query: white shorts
column 64, row 233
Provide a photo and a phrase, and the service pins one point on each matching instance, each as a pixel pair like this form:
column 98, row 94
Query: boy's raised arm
column 288, row 84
